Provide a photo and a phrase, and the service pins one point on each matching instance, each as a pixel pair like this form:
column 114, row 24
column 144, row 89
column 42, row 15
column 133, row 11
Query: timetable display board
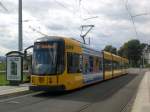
column 14, row 68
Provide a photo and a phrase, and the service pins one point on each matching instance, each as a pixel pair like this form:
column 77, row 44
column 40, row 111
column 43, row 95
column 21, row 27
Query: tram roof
column 52, row 38
column 110, row 56
column 48, row 38
column 84, row 46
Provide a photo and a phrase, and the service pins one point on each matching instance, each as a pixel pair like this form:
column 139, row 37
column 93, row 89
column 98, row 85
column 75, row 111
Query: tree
column 133, row 51
column 111, row 49
column 143, row 45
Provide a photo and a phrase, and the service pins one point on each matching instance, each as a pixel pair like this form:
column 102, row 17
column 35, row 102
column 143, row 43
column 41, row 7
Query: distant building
column 146, row 54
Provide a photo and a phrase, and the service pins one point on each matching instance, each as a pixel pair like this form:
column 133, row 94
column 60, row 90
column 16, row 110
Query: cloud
column 61, row 17
column 4, row 50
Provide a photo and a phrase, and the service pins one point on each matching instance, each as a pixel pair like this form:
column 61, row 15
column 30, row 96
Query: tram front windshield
column 47, row 59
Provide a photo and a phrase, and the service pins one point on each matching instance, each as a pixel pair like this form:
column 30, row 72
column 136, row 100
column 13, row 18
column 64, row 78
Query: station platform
column 142, row 100
column 8, row 90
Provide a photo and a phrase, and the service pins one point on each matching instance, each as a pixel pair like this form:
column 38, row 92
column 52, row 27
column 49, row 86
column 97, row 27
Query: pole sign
column 14, row 68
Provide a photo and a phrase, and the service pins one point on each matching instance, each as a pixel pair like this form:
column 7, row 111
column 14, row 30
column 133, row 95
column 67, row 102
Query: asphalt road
column 114, row 95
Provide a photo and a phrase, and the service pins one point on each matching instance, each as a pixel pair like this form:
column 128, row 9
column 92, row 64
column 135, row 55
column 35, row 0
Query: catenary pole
column 20, row 25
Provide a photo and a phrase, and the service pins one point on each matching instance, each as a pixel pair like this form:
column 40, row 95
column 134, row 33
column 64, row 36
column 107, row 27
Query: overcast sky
column 64, row 17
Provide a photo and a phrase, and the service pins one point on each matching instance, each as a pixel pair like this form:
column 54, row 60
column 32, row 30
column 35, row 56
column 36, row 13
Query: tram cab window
column 74, row 63
column 48, row 58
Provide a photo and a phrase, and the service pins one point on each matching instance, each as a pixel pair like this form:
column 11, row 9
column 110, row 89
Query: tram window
column 100, row 65
column 108, row 65
column 60, row 61
column 119, row 65
column 73, row 63
column 85, row 63
column 96, row 64
column 116, row 65
column 91, row 61
column 122, row 65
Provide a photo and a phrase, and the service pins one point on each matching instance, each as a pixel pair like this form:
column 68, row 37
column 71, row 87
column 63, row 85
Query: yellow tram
column 61, row 63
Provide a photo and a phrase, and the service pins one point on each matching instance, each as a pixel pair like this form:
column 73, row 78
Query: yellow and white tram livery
column 60, row 63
